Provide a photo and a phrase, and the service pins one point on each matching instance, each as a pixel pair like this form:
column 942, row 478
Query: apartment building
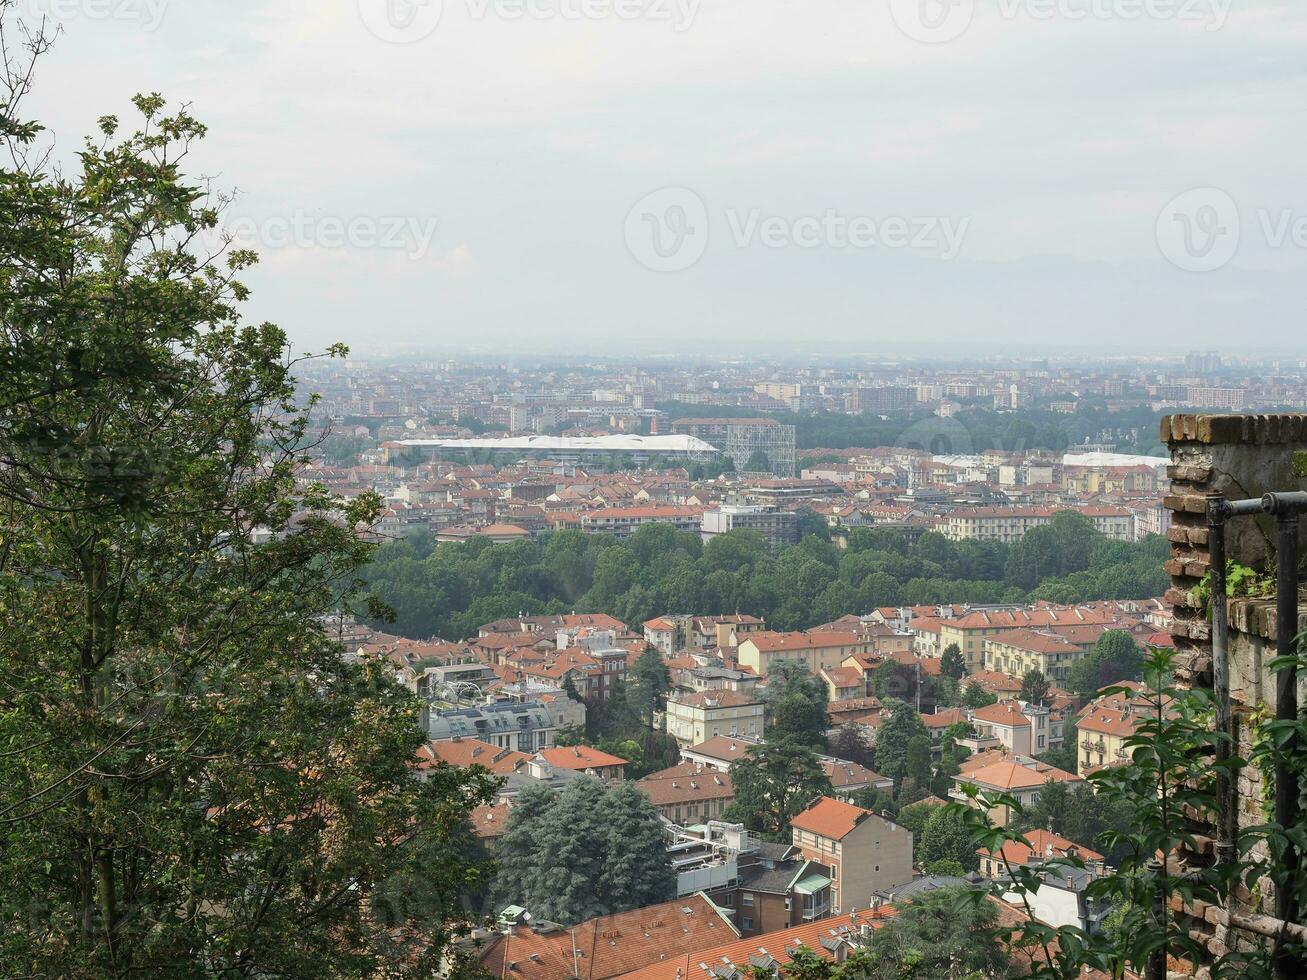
column 1018, row 651
column 777, row 527
column 694, row 718
column 1010, row 524
column 688, row 793
column 971, row 631
column 1020, row 777
column 1103, row 726
column 818, row 650
column 864, row 852
column 622, row 522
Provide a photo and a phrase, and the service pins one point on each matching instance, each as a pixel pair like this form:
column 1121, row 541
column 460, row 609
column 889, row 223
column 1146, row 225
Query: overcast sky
column 601, row 175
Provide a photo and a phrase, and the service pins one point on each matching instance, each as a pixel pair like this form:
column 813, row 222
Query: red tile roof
column 830, row 818
column 579, row 757
column 611, row 945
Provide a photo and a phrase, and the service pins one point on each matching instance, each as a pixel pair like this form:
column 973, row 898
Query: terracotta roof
column 490, row 821
column 830, row 818
column 775, row 945
column 723, row 747
column 611, row 945
column 1007, row 713
column 1013, row 775
column 579, row 757
column 771, row 641
column 843, row 773
column 471, row 752
column 942, row 719
column 681, row 785
column 1042, row 844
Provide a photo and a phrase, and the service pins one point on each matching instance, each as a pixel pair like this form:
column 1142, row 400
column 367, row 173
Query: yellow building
column 1018, row 651
column 818, row 650
column 695, row 718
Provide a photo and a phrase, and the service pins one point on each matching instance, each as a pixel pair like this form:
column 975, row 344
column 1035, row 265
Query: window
column 878, row 869
column 834, row 872
column 746, row 923
column 746, row 898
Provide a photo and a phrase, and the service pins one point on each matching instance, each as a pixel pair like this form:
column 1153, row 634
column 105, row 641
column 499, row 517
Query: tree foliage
column 590, row 850
column 448, row 590
column 193, row 781
column 773, row 783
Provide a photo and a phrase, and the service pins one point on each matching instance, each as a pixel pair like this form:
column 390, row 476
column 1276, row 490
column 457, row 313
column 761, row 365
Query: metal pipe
column 1155, row 969
column 1227, row 828
column 1286, row 702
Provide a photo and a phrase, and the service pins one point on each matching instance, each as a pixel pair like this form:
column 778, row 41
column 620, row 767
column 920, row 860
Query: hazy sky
column 595, row 175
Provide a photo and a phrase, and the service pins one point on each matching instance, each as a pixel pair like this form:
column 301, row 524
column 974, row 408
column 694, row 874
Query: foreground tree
column 773, row 783
column 584, row 852
column 192, row 781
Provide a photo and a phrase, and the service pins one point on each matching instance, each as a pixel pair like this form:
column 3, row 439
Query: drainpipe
column 1227, row 828
column 1286, row 508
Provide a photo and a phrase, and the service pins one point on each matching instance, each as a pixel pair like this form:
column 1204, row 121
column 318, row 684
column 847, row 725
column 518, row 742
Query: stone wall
column 1238, row 457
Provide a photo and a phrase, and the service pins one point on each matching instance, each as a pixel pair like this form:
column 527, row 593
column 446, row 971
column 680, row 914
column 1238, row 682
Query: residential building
column 817, row 650
column 777, row 527
column 1020, row 777
column 1010, row 524
column 864, row 851
column 1103, row 726
column 1018, row 651
column 688, row 793
column 720, row 752
column 692, row 718
column 584, row 759
column 525, row 726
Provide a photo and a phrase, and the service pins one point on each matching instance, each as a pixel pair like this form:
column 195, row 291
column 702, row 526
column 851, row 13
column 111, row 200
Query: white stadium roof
column 574, row 444
column 1113, row 459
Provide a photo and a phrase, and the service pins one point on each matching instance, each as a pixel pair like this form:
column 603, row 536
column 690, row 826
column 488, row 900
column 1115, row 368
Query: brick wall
column 1239, row 457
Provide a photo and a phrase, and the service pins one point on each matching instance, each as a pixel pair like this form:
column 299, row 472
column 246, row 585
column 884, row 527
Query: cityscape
column 652, row 489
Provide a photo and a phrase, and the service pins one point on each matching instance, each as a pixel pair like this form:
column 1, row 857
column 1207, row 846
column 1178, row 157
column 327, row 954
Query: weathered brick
column 1189, row 473
column 1187, row 503
column 1219, row 429
column 1198, row 536
column 1180, row 535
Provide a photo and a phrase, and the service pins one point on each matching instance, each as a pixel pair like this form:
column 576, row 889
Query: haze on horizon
column 733, row 175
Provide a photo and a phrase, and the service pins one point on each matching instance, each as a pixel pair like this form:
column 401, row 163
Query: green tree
column 1115, row 658
column 773, row 783
column 975, row 696
column 946, row 837
column 894, row 738
column 584, row 852
column 194, row 780
column 650, row 682
column 1034, row 687
column 795, row 704
column 849, row 743
column 942, row 933
column 757, row 462
column 919, row 767
column 951, row 664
